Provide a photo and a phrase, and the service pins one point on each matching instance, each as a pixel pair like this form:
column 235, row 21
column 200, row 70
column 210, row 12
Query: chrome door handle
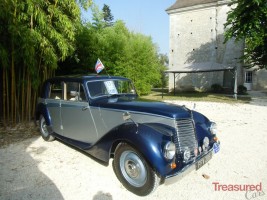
column 85, row 108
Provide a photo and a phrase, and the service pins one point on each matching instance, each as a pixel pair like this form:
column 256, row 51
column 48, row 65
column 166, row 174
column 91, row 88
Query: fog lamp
column 169, row 150
column 187, row 154
column 206, row 142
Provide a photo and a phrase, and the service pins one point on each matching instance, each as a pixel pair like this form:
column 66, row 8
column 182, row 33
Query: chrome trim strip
column 92, row 116
column 133, row 112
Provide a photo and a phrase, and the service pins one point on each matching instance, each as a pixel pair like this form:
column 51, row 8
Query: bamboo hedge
column 34, row 36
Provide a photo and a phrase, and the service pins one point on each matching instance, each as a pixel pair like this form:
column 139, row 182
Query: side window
column 75, row 92
column 55, row 91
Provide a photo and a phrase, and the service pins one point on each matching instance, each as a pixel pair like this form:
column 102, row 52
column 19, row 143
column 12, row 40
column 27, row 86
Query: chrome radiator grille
column 185, row 136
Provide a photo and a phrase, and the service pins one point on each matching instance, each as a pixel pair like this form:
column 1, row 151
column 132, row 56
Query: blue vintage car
column 151, row 143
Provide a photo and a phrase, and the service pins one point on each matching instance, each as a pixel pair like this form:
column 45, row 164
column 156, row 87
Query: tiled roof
column 187, row 3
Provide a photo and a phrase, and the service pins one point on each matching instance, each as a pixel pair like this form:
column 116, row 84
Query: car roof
column 82, row 78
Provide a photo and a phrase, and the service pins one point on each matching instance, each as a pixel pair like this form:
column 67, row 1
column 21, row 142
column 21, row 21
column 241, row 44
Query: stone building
column 197, row 45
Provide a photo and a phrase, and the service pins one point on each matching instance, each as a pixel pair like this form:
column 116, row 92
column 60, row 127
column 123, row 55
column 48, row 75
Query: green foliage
column 122, row 52
column 242, row 89
column 85, row 4
column 98, row 17
column 164, row 62
column 34, row 36
column 248, row 20
column 195, row 96
column 140, row 63
column 40, row 30
column 216, row 88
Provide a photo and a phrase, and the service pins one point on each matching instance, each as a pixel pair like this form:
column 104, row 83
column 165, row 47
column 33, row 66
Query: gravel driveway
column 35, row 169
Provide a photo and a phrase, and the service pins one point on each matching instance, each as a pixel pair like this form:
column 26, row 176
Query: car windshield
column 110, row 88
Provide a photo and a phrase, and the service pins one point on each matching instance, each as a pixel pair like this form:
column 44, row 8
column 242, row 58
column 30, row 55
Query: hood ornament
column 194, row 107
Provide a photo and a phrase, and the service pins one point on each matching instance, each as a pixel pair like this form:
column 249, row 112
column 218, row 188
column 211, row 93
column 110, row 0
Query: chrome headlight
column 169, row 150
column 213, row 128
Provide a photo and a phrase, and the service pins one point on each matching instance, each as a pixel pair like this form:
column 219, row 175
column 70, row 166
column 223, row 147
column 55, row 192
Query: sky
column 143, row 16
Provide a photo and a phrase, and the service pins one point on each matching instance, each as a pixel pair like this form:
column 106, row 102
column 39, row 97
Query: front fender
column 202, row 125
column 148, row 141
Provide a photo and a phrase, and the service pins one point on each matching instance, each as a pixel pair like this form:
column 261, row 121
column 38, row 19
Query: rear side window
column 56, row 91
column 74, row 92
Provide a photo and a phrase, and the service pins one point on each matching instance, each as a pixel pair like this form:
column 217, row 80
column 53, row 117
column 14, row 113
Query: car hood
column 136, row 105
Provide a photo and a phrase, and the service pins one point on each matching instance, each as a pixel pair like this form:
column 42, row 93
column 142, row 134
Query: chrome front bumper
column 187, row 169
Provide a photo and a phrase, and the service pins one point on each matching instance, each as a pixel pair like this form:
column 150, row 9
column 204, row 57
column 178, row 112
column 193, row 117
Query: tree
column 97, row 17
column 164, row 62
column 140, row 62
column 247, row 20
column 123, row 53
column 108, row 17
column 34, row 36
column 83, row 59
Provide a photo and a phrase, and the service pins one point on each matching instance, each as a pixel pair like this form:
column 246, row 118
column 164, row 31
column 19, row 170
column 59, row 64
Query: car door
column 53, row 104
column 77, row 120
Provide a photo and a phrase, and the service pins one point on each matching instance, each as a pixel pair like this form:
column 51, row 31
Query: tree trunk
column 4, row 97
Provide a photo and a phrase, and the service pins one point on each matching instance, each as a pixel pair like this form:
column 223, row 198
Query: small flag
column 99, row 66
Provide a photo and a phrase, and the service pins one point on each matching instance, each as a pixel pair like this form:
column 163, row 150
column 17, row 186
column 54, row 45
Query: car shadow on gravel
column 20, row 177
column 84, row 153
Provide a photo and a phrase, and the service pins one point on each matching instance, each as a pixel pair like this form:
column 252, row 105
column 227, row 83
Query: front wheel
column 44, row 130
column 133, row 171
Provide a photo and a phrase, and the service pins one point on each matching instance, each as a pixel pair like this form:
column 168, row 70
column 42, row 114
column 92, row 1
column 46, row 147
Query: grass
column 195, row 96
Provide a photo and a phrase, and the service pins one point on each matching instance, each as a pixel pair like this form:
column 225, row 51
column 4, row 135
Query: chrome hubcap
column 133, row 169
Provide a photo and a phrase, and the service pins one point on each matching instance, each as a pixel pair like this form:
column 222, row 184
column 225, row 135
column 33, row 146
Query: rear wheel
column 133, row 171
column 46, row 135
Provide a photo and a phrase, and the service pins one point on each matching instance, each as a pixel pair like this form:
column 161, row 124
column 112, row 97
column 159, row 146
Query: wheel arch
column 149, row 143
column 116, row 144
column 42, row 110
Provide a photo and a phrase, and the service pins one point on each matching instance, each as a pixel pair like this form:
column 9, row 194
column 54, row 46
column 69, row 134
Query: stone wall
column 260, row 80
column 197, row 36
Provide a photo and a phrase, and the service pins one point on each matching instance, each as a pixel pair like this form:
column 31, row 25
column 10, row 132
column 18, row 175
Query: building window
column 248, row 77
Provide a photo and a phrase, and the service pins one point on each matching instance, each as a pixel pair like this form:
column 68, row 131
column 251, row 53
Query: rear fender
column 42, row 110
